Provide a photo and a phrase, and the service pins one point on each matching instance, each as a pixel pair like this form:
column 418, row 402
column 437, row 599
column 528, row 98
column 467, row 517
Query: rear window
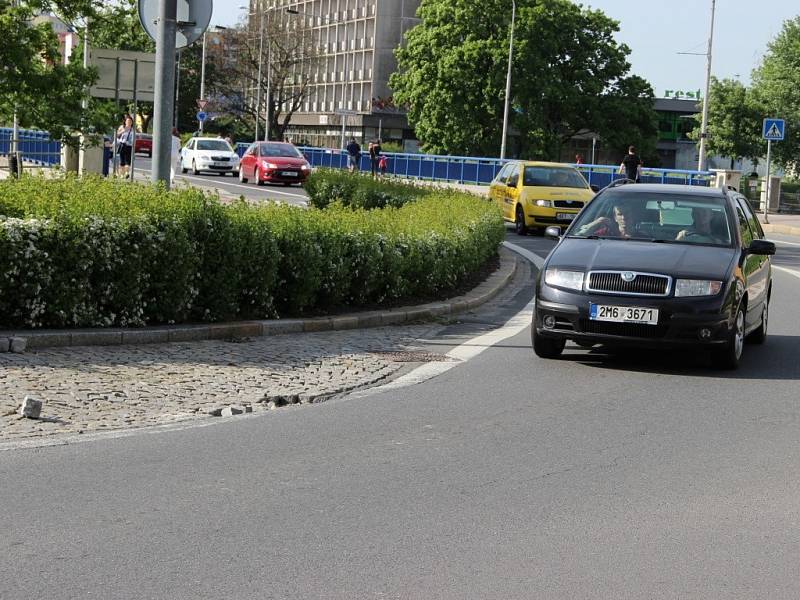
column 553, row 177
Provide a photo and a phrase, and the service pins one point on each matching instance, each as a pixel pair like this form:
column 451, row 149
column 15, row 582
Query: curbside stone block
column 96, row 338
column 394, row 317
column 145, row 336
column 324, row 324
column 189, row 334
column 370, row 319
column 31, row 408
column 18, row 344
column 5, row 344
column 281, row 326
column 340, row 323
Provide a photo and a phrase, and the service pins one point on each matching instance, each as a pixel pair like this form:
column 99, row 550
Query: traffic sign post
column 201, row 116
column 772, row 130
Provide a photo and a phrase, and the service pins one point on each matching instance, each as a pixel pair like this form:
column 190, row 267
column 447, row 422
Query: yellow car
column 537, row 195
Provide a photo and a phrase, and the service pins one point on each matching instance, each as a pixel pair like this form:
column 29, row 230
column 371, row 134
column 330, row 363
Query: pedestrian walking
column 353, row 155
column 631, row 165
column 176, row 154
column 125, row 145
column 383, row 164
column 374, row 156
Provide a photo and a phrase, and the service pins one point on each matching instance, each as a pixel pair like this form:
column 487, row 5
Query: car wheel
column 242, row 178
column 545, row 347
column 194, row 168
column 257, row 177
column 730, row 355
column 519, row 222
column 183, row 169
column 759, row 335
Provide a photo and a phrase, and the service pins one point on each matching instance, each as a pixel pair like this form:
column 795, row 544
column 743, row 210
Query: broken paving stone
column 231, row 410
column 215, row 412
column 31, row 408
column 18, row 344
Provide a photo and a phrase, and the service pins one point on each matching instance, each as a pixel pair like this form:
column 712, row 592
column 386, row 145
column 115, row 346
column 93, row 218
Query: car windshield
column 215, row 145
column 279, row 150
column 655, row 217
column 553, row 177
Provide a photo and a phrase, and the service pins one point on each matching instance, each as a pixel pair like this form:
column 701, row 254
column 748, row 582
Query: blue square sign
column 774, row 129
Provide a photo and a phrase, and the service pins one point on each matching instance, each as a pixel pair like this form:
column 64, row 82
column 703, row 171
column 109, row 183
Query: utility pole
column 701, row 162
column 203, row 75
column 508, row 80
column 164, row 93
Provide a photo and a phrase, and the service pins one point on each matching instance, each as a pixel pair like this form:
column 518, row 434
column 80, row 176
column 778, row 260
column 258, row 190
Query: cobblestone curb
column 479, row 295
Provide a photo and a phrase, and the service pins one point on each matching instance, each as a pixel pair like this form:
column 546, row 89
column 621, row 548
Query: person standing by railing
column 375, row 156
column 631, row 165
column 125, row 145
column 353, row 155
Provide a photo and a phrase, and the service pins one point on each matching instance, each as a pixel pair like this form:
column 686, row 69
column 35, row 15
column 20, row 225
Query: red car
column 274, row 162
column 144, row 144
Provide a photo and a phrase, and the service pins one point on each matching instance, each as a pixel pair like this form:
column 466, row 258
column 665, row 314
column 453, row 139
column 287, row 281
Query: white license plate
column 221, row 164
column 623, row 314
column 289, row 173
column 565, row 216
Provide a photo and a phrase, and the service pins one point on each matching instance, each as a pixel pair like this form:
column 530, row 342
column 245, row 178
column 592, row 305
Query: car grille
column 220, row 158
column 642, row 284
column 638, row 330
column 568, row 204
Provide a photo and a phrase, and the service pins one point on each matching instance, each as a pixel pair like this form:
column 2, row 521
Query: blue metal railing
column 36, row 146
column 482, row 170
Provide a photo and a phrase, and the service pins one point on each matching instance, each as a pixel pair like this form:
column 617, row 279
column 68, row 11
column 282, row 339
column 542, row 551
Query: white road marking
column 469, row 349
column 787, row 270
column 782, row 242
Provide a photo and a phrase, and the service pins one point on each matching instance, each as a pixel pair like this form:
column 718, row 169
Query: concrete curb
column 785, row 229
column 479, row 295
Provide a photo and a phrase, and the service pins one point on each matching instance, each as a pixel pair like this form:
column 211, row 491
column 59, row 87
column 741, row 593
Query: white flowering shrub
column 96, row 253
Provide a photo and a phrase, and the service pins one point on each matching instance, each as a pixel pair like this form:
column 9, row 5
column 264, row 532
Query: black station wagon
column 657, row 265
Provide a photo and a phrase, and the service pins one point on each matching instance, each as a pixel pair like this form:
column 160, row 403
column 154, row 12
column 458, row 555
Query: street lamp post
column 508, row 80
column 704, row 126
column 203, row 67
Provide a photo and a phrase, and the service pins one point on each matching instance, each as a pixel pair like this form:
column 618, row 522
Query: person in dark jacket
column 375, row 156
column 631, row 165
column 353, row 155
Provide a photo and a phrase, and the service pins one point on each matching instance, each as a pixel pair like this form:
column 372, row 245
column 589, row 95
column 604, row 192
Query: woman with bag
column 125, row 145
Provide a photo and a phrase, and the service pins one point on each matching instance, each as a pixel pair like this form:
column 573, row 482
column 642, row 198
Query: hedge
column 93, row 252
column 360, row 190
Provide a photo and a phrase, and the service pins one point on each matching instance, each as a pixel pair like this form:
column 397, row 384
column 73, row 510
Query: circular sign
column 201, row 116
column 193, row 17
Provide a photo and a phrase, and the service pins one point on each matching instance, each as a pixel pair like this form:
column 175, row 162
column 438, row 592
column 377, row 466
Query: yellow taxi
column 537, row 195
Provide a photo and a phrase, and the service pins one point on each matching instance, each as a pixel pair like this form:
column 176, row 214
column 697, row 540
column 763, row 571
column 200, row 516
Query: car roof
column 213, row 139
column 542, row 163
column 669, row 188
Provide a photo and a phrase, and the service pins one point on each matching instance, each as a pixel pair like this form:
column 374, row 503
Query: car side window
column 744, row 226
column 755, row 226
column 513, row 178
column 503, row 174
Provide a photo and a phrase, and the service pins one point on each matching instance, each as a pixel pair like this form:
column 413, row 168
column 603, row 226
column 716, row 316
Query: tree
column 734, row 121
column 34, row 83
column 569, row 76
column 776, row 83
column 288, row 56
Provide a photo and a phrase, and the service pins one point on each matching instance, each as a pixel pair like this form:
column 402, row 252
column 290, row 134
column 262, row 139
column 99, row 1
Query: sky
column 656, row 30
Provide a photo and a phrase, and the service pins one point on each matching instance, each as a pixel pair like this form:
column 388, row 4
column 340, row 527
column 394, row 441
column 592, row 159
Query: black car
column 657, row 266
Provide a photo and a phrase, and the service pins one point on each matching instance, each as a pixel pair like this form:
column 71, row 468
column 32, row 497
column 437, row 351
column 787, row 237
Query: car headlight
column 697, row 287
column 305, row 167
column 572, row 280
column 269, row 165
column 544, row 203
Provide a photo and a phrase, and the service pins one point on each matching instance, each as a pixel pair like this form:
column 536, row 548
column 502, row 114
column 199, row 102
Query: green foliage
column 775, row 85
column 92, row 252
column 569, row 75
column 357, row 190
column 734, row 121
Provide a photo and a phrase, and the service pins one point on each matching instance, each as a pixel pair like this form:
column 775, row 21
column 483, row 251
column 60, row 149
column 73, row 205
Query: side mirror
column 595, row 188
column 553, row 233
column 761, row 248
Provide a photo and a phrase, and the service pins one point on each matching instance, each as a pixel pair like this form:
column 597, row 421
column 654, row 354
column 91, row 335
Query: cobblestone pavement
column 90, row 389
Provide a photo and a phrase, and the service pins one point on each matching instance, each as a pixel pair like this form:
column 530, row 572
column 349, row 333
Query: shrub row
column 104, row 253
column 360, row 190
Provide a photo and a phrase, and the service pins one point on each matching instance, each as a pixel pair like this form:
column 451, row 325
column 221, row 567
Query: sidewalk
column 778, row 223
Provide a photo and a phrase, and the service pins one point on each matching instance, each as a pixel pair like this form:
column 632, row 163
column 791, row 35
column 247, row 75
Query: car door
column 246, row 165
column 756, row 268
column 186, row 154
column 497, row 188
column 512, row 193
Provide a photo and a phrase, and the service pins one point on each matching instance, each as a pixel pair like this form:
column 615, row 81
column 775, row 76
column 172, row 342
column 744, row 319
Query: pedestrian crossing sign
column 774, row 129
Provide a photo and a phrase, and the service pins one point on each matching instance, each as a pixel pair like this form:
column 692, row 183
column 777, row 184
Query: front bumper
column 277, row 175
column 679, row 324
column 537, row 216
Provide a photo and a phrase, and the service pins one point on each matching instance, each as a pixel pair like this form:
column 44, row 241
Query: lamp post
column 217, row 29
column 704, row 126
column 508, row 80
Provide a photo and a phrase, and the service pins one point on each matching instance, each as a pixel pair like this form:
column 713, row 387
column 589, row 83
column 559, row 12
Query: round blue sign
column 201, row 116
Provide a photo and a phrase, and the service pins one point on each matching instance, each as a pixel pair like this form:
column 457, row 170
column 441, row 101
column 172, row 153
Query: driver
column 624, row 224
column 701, row 231
column 560, row 178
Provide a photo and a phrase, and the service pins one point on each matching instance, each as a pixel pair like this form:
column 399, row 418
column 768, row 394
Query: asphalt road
column 632, row 476
column 229, row 185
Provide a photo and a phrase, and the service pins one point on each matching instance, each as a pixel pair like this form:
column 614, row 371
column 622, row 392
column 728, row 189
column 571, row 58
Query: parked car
column 274, row 162
column 144, row 144
column 209, row 154
column 651, row 265
column 536, row 195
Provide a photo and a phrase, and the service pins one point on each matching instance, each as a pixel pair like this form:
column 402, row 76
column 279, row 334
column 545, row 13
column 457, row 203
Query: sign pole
column 769, row 180
column 164, row 100
column 135, row 115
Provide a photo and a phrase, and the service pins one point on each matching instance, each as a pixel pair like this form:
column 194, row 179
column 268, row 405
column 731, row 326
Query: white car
column 209, row 154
